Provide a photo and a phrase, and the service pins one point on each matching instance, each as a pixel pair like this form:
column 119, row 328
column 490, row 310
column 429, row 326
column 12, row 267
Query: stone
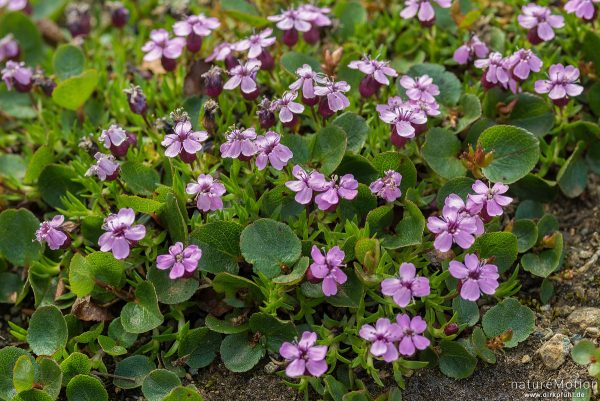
column 526, row 359
column 554, row 351
column 585, row 321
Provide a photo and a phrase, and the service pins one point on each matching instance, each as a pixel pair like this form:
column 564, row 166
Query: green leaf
column 455, row 361
column 276, row 330
column 159, row 383
column 91, row 335
column 379, row 219
column 102, row 266
column 356, row 129
column 27, row 35
column 50, row 376
column 238, row 354
column 170, row 291
column 471, row 111
column 117, row 332
column 16, row 104
column 546, row 291
column 461, row 186
column 270, row 246
column 75, row 364
column 68, row 61
column 12, row 166
column 583, row 353
column 591, row 48
column 243, row 11
column 409, row 231
column 351, row 15
column 592, row 157
column 572, row 176
column 534, row 188
column 33, row 395
column 467, row 311
column 42, row 157
column 73, row 92
column 509, row 314
column 23, row 373
column 172, row 215
column 47, row 331
column 138, row 204
column 479, row 342
column 110, row 346
column 199, row 347
column 357, row 165
column 225, row 326
column 526, row 232
column 55, row 181
column 10, row 287
column 140, row 178
column 450, row 87
column 546, row 262
column 503, row 246
column 184, row 393
column 8, row 358
column 297, row 274
column 329, row 148
column 360, row 206
column 349, row 294
column 291, row 61
column 144, row 314
column 17, row 235
column 135, row 368
column 593, row 96
column 86, row 388
column 220, row 244
column 532, row 113
column 441, row 150
column 516, row 152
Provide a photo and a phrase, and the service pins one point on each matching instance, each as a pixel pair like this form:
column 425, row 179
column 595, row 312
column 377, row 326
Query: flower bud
column 368, row 86
column 136, row 99
column 119, row 14
column 290, row 37
column 266, row 116
column 209, row 119
column 324, row 109
column 450, row 329
column 79, row 20
column 213, row 82
column 193, row 42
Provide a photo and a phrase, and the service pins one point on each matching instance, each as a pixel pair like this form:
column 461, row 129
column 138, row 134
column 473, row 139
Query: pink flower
column 406, row 286
column 208, row 193
column 318, row 16
column 490, row 199
column 245, row 77
column 377, row 74
column 468, row 210
column 304, row 356
column 412, row 339
column 288, row 109
column 495, row 70
column 271, row 151
column 420, row 88
column 255, row 44
column 523, row 62
column 117, row 140
column 17, row 76
column 562, row 83
column 326, row 267
column 423, row 9
column 476, row 277
column 382, row 336
column 9, row 48
column 182, row 261
column 224, row 52
column 305, row 184
column 306, row 80
column 427, row 108
column 106, row 167
column 120, row 233
column 452, row 226
column 15, row 5
column 540, row 22
column 184, row 141
column 334, row 98
column 388, row 187
column 240, row 142
column 583, row 9
column 406, row 120
column 347, row 188
column 160, row 46
column 472, row 49
column 293, row 19
column 52, row 233
column 194, row 28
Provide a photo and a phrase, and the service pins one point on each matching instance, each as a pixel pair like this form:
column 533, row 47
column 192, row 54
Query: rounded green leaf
column 110, row 346
column 47, row 332
column 479, row 342
column 117, row 332
column 238, row 354
column 572, row 176
column 455, row 361
column 55, row 181
column 199, row 347
column 135, row 369
column 42, row 157
column 532, row 187
column 75, row 364
column 68, row 61
column 23, row 373
column 583, row 353
column 50, row 376
column 291, row 61
column 547, row 261
column 516, row 152
column 509, row 315
column 141, row 179
column 296, row 275
column 503, row 246
column 220, row 244
column 86, row 388
column 276, row 330
column 10, row 286
column 144, row 314
column 356, row 129
column 409, row 231
column 471, row 111
column 17, row 234
column 527, row 234
column 8, row 358
column 441, row 151
column 532, row 113
column 357, row 165
column 159, row 383
column 184, row 393
column 33, row 395
column 467, row 311
column 270, row 246
column 171, row 291
column 329, row 147
column 73, row 92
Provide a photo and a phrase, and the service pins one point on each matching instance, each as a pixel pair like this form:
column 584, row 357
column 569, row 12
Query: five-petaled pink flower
column 495, row 70
column 53, row 233
column 522, row 63
column 184, row 141
column 9, row 48
column 117, row 140
column 412, row 338
column 388, row 187
column 326, row 268
column 377, row 74
column 540, row 22
column 240, row 144
column 162, row 47
column 332, row 191
column 406, row 285
column 244, row 76
column 476, row 277
column 288, row 109
column 406, row 120
column 182, row 261
column 333, row 97
column 256, row 45
column 17, row 76
column 562, row 83
column 306, row 80
column 208, row 193
column 491, row 199
column 304, row 356
column 423, row 9
column 306, row 184
column 194, row 28
column 382, row 337
column 420, row 88
column 473, row 48
column 270, row 150
column 120, row 233
column 583, row 9
column 15, row 5
column 106, row 167
column 452, row 226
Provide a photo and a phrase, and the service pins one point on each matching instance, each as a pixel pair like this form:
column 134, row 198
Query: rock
column 585, row 321
column 554, row 351
column 526, row 359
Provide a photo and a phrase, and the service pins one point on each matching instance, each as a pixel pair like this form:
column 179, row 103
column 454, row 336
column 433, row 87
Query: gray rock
column 554, row 351
column 585, row 321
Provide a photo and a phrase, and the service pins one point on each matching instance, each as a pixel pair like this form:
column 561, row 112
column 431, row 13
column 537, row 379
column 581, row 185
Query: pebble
column 554, row 351
column 585, row 321
column 526, row 359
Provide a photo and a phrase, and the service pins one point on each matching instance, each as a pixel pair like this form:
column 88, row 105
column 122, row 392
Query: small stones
column 526, row 359
column 554, row 351
column 585, row 321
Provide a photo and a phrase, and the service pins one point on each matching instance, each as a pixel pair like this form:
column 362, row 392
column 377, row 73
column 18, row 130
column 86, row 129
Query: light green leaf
column 509, row 314
column 159, row 383
column 144, row 314
column 17, row 235
column 73, row 92
column 86, row 388
column 68, row 61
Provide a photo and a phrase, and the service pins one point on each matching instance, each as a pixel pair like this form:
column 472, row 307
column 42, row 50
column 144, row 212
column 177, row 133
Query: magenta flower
column 427, row 108
column 318, row 17
column 411, row 330
column 523, row 62
column 304, row 356
column 377, row 74
column 423, row 9
column 420, row 88
column 406, row 120
column 244, row 76
column 17, row 76
column 469, row 210
column 474, row 48
column 240, row 144
column 117, row 140
column 452, row 226
column 305, row 184
column 161, row 46
column 562, row 83
column 291, row 22
column 306, row 80
column 388, row 187
column 52, row 233
column 184, row 142
column 326, row 268
column 224, row 52
column 106, row 167
column 288, row 109
column 540, row 22
column 136, row 99
column 120, row 233
column 495, row 70
column 491, row 199
column 194, row 28
column 182, row 261
column 9, row 48
column 266, row 113
column 333, row 97
column 476, row 277
column 271, row 151
column 208, row 193
column 257, row 45
column 406, row 286
column 382, row 337
column 347, row 188
column 583, row 9
column 15, row 5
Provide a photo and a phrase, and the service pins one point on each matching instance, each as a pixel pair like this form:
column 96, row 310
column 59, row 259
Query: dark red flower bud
column 324, row 109
column 368, row 86
column 266, row 116
column 119, row 14
column 79, row 20
column 136, row 99
column 251, row 95
column 168, row 64
column 450, row 329
column 290, row 37
column 231, row 61
column 266, row 60
column 213, row 82
column 313, row 35
column 194, row 42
